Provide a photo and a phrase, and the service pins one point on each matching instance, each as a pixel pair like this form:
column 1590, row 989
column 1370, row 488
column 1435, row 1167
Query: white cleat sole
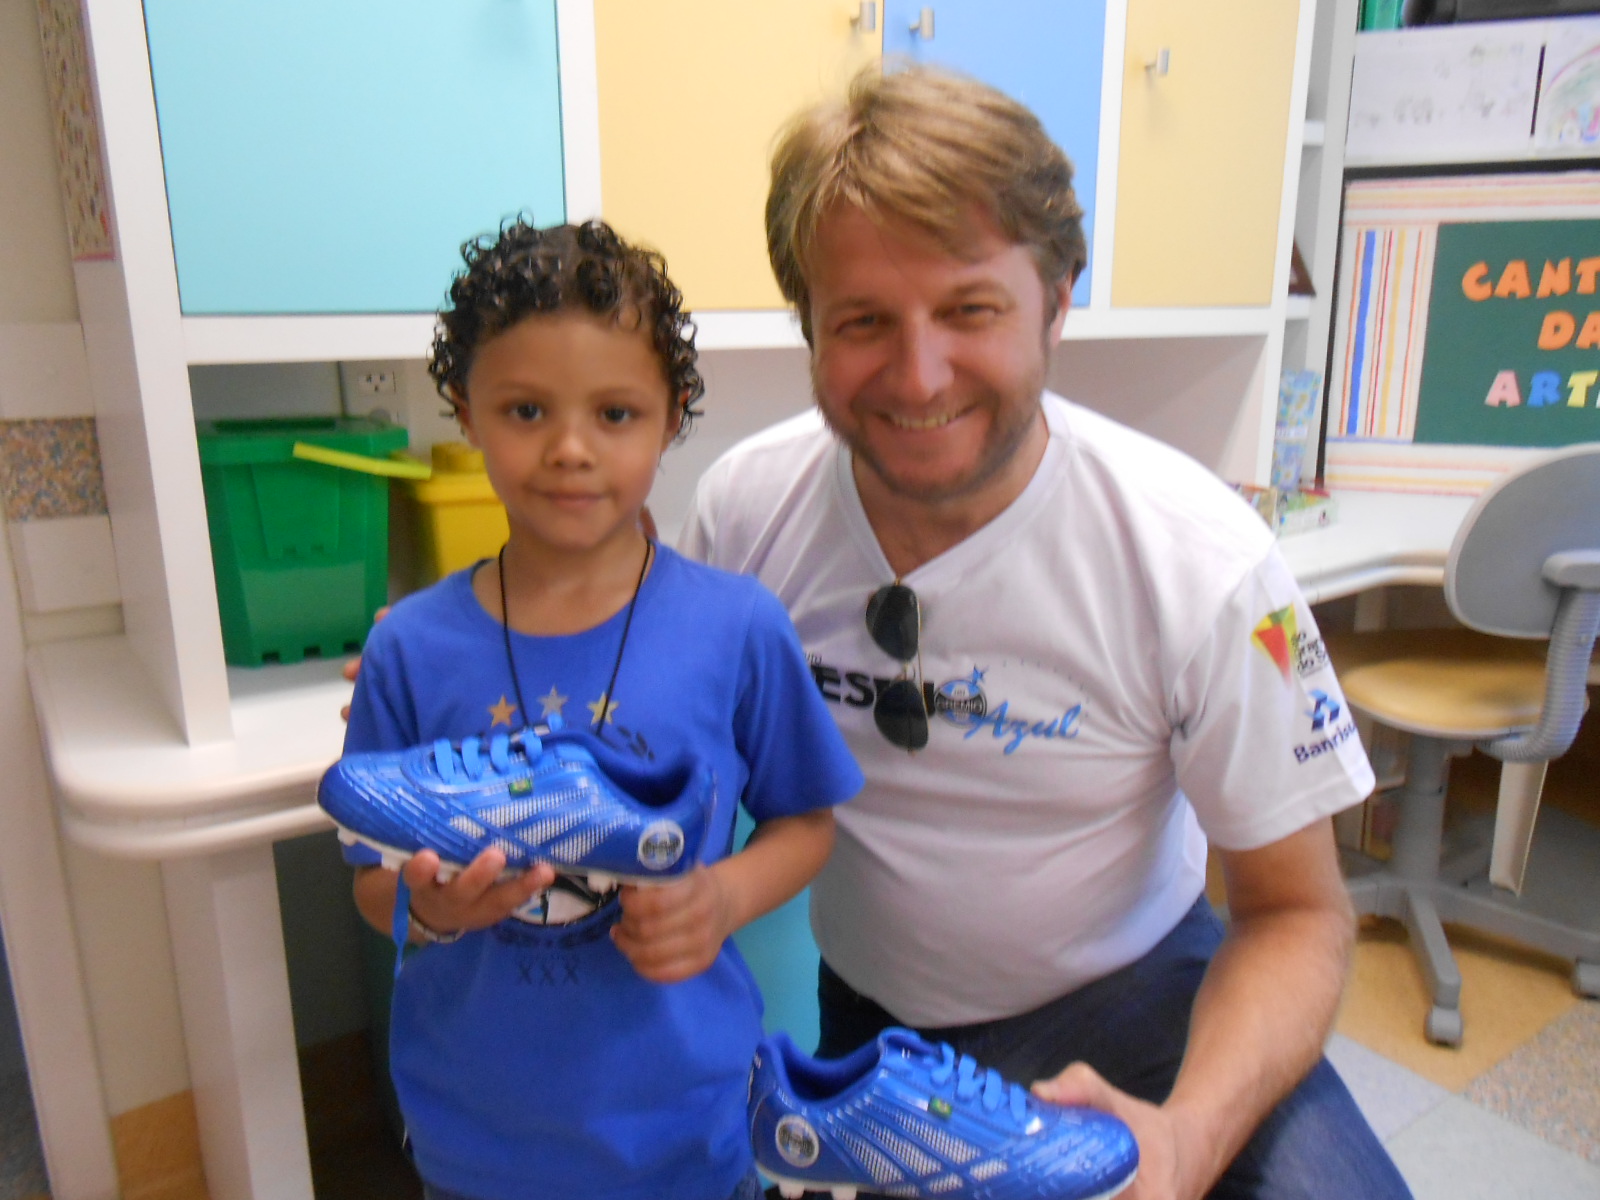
column 392, row 859
column 792, row 1189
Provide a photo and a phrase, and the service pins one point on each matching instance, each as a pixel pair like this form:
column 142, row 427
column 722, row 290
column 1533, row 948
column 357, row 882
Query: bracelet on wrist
column 427, row 933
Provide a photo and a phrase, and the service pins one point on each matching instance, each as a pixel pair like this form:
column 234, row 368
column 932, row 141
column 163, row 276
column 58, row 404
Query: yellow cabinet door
column 1201, row 160
column 691, row 96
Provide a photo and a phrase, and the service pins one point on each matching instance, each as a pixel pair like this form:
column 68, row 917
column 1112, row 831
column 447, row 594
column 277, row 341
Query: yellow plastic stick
column 399, row 468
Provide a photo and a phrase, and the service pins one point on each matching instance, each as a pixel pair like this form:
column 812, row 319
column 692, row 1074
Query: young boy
column 554, row 1039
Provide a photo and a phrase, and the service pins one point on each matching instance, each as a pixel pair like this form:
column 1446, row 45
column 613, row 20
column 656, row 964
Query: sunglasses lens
column 901, row 715
column 894, row 621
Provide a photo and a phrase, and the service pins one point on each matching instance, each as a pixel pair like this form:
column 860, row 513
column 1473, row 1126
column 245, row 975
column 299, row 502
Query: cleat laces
column 466, row 763
column 971, row 1080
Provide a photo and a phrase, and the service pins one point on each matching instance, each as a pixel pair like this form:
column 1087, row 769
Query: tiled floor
column 1515, row 1111
column 21, row 1161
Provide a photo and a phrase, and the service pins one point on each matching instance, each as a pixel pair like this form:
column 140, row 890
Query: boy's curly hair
column 525, row 270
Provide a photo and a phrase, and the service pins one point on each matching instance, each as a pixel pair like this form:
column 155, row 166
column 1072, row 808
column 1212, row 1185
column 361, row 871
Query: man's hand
column 674, row 931
column 1160, row 1156
column 477, row 897
column 1259, row 1020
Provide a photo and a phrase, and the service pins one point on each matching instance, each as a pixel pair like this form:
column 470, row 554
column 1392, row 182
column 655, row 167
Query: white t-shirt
column 1122, row 660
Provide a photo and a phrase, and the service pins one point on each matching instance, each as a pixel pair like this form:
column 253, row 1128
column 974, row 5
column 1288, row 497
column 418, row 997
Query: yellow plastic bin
column 447, row 522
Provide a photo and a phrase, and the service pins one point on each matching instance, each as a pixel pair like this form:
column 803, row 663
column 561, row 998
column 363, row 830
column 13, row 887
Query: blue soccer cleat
column 902, row 1117
column 536, row 800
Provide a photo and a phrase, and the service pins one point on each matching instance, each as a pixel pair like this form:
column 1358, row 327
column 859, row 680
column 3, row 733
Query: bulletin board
column 1479, row 91
column 1444, row 93
column 1467, row 334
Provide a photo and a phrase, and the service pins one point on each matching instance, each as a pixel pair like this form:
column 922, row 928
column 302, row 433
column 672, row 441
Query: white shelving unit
column 220, row 340
column 1316, row 221
column 142, row 345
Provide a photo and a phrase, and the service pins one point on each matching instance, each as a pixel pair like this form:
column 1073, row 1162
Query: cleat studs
column 791, row 1191
column 600, row 881
column 844, row 1193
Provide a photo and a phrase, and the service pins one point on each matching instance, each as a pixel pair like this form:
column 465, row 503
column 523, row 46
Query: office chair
column 1524, row 565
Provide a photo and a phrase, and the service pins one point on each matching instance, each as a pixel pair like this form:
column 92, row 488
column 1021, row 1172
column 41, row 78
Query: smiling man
column 1054, row 646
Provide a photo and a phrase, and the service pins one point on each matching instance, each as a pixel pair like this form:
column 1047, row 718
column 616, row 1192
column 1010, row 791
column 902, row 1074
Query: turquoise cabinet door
column 783, row 958
column 1045, row 53
column 330, row 156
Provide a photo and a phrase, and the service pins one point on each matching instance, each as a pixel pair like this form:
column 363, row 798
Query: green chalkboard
column 1486, row 381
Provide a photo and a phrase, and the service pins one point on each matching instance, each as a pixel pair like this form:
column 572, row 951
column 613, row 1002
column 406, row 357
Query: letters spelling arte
column 1558, row 330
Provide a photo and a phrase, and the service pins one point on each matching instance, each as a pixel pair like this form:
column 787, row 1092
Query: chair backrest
column 1494, row 576
column 1497, row 579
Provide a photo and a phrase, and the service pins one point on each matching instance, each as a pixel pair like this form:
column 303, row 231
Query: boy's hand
column 674, row 931
column 477, row 897
column 353, row 668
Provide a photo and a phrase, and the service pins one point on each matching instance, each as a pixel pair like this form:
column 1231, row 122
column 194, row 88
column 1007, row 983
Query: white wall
column 116, row 907
column 1174, row 389
column 36, row 284
column 746, row 390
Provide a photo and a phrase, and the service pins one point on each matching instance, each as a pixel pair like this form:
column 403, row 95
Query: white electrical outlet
column 375, row 382
column 368, row 388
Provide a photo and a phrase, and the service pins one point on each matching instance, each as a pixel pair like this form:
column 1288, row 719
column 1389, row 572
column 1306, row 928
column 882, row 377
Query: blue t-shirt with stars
column 532, row 1061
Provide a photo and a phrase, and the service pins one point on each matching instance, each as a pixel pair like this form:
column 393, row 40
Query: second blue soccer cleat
column 535, row 799
column 906, row 1118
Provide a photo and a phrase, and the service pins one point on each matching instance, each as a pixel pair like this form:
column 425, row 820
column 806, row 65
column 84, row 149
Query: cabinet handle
column 866, row 20
column 1161, row 62
column 923, row 25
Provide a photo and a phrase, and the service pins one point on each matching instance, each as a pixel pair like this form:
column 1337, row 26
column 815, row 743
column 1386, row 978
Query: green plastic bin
column 299, row 548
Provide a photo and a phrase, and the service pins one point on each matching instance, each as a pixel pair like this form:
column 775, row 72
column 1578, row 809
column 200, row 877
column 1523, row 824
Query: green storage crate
column 299, row 548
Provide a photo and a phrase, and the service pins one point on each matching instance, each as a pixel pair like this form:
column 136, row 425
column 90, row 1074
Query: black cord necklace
column 627, row 623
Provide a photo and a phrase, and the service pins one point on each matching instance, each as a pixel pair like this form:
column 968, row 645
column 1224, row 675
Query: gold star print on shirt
column 501, row 712
column 601, row 710
column 553, row 702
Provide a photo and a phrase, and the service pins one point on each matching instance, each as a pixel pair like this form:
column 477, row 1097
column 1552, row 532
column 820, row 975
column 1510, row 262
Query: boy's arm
column 382, row 717
column 674, row 931
column 476, row 898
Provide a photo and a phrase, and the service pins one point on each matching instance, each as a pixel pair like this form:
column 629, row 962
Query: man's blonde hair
column 924, row 147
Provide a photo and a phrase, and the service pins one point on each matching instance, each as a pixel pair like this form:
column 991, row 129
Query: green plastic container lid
column 271, row 440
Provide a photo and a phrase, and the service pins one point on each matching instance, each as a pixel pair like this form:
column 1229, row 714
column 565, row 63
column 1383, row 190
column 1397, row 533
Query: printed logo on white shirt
column 1293, row 650
column 961, row 702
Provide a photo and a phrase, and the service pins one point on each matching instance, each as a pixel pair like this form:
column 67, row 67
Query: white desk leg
column 233, row 987
column 1518, row 805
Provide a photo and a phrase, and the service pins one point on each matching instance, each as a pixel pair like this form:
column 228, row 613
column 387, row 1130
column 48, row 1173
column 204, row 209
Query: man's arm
column 1260, row 1019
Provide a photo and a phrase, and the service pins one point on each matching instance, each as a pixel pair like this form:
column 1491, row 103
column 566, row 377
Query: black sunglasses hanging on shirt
column 894, row 619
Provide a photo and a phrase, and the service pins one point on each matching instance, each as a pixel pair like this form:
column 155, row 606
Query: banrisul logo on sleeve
column 1327, row 729
column 1324, row 710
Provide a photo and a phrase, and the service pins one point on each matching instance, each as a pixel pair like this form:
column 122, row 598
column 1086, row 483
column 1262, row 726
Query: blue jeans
column 1132, row 1027
column 749, row 1189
